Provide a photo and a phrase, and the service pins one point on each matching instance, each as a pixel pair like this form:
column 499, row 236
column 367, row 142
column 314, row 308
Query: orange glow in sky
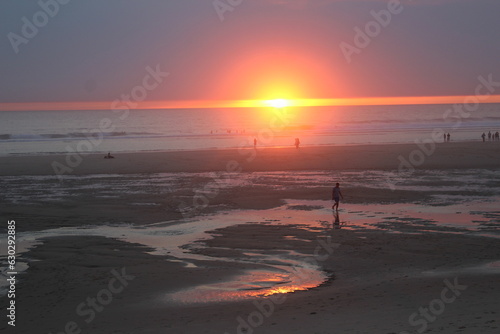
column 276, row 72
column 276, row 103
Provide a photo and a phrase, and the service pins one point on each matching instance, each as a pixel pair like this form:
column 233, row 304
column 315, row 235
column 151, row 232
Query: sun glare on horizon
column 278, row 103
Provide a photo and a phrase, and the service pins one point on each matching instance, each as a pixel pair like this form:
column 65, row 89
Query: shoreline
column 451, row 155
column 35, row 154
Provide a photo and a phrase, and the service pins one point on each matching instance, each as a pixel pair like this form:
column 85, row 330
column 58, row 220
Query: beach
column 394, row 264
column 422, row 155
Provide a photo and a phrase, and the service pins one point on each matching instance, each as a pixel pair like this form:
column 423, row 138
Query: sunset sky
column 96, row 50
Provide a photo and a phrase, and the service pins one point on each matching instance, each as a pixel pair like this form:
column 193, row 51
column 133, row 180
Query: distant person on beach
column 109, row 156
column 497, row 135
column 336, row 195
column 448, row 137
column 444, row 137
column 489, row 135
column 484, row 137
column 255, row 142
column 297, row 142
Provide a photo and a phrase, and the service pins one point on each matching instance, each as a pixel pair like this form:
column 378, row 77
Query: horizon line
column 213, row 104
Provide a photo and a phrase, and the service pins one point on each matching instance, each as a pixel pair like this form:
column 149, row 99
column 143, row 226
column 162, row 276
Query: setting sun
column 278, row 103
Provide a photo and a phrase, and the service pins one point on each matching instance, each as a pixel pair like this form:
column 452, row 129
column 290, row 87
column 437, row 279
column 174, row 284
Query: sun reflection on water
column 252, row 284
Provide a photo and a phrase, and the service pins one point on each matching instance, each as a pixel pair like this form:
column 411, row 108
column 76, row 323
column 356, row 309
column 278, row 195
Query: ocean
column 47, row 132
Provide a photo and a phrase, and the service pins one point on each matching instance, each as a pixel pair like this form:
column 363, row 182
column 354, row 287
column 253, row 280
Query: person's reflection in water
column 337, row 225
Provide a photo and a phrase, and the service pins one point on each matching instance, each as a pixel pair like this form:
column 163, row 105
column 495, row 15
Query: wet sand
column 378, row 279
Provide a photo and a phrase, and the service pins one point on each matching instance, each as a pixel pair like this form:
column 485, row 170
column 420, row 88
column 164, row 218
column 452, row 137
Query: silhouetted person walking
column 336, row 195
column 297, row 142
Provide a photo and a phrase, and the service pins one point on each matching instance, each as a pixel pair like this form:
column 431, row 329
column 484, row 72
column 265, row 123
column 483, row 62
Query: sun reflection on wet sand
column 252, row 284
